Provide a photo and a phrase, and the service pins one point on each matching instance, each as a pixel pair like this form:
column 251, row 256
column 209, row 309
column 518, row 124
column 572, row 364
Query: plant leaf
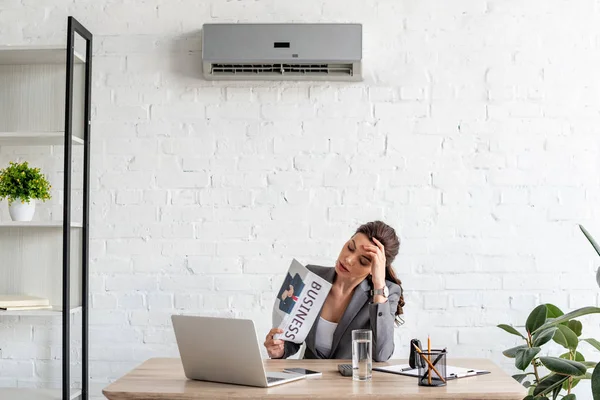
column 553, row 311
column 519, row 377
column 548, row 384
column 543, row 337
column 577, row 379
column 562, row 366
column 570, row 396
column 536, row 318
column 593, row 342
column 589, row 364
column 569, row 316
column 574, row 383
column 525, row 356
column 596, row 383
column 512, row 352
column 556, row 391
column 511, row 330
column 566, row 337
column 578, row 357
column 590, row 239
column 575, row 326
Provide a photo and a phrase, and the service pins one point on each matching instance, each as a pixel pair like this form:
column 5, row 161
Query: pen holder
column 435, row 376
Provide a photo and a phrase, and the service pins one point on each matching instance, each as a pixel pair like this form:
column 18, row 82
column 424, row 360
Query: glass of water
column 361, row 354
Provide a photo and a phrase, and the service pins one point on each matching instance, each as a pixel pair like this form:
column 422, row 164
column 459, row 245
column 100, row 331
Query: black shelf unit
column 28, row 125
column 75, row 27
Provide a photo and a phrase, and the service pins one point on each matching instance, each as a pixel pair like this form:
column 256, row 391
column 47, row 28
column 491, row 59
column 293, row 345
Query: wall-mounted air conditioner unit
column 331, row 52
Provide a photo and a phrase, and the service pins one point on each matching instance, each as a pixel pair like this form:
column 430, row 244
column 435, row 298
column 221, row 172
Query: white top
column 324, row 336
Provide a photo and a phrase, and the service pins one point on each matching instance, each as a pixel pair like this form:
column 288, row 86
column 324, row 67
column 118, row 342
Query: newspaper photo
column 298, row 302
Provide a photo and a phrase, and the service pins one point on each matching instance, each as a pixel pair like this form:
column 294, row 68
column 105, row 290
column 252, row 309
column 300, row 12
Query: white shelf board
column 37, row 224
column 35, row 394
column 25, row 55
column 35, row 139
column 54, row 312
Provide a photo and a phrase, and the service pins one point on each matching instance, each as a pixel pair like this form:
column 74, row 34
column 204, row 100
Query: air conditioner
column 331, row 52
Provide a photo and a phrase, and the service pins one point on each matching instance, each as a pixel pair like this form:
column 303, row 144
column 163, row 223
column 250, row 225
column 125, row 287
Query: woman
column 365, row 294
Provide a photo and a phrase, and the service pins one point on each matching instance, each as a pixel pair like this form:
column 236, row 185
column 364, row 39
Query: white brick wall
column 474, row 133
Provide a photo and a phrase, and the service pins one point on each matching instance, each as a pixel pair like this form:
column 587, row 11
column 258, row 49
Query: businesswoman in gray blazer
column 365, row 294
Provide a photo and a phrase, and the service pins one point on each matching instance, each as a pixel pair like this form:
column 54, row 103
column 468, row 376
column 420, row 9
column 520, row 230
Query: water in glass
column 361, row 359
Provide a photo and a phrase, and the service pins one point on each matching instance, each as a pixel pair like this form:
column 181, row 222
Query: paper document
column 451, row 372
column 298, row 302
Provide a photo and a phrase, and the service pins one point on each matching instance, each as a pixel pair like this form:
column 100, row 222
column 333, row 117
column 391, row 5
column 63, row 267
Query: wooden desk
column 163, row 378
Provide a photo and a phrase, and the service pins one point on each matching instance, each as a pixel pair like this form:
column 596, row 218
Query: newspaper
column 298, row 302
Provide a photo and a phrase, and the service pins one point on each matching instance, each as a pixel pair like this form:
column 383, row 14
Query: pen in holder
column 433, row 371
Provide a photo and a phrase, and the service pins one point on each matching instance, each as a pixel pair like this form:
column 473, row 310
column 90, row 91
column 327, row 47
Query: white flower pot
column 22, row 211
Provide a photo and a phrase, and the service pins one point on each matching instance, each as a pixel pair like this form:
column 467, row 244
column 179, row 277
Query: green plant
column 545, row 323
column 18, row 181
column 548, row 323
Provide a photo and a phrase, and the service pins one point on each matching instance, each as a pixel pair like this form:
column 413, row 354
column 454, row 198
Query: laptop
column 224, row 350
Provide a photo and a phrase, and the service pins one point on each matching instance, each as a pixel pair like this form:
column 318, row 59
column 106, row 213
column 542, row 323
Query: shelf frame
column 47, row 129
column 36, row 394
column 53, row 312
column 35, row 139
column 30, row 54
column 75, row 27
column 37, row 224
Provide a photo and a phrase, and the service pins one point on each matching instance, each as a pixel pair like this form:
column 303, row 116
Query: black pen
column 438, row 357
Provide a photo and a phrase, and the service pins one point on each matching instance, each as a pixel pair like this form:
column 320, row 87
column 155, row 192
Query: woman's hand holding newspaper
column 274, row 346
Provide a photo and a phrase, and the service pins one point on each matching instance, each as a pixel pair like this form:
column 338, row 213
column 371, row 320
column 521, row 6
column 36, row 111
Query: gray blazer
column 360, row 314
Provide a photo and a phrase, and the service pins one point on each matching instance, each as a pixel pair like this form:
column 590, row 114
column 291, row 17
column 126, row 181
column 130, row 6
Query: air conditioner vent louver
column 280, row 52
column 282, row 69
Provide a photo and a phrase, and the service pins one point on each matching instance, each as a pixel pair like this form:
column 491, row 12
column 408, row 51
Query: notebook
column 451, row 372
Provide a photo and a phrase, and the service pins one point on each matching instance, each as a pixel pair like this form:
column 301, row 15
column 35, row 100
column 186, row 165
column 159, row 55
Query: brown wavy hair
column 388, row 238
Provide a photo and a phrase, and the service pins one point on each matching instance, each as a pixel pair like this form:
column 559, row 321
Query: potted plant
column 22, row 185
column 548, row 323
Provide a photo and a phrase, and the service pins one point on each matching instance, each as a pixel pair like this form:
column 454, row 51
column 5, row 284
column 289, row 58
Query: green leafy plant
column 548, row 323
column 20, row 182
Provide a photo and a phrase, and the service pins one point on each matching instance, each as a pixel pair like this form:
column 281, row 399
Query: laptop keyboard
column 271, row 379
